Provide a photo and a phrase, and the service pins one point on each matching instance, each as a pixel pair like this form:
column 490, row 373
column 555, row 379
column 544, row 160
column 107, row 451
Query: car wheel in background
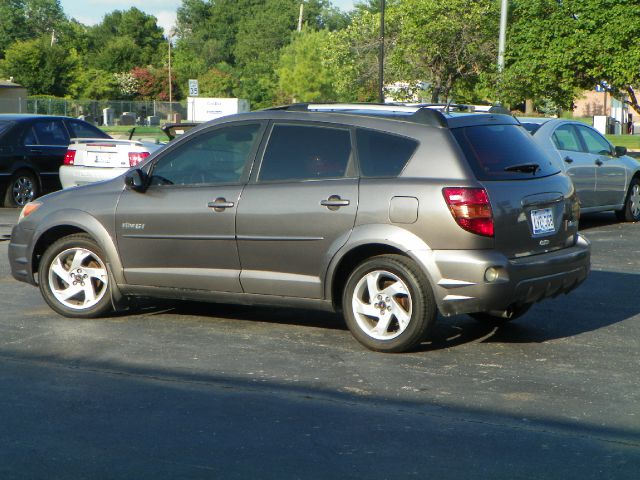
column 631, row 210
column 73, row 277
column 388, row 304
column 22, row 188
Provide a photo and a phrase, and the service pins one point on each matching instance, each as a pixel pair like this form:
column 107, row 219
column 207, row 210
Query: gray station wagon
column 387, row 213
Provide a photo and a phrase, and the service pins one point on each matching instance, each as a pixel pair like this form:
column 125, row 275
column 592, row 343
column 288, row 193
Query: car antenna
column 131, row 132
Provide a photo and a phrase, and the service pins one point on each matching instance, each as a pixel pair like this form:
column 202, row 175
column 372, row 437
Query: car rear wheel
column 502, row 317
column 22, row 188
column 631, row 210
column 73, row 277
column 388, row 304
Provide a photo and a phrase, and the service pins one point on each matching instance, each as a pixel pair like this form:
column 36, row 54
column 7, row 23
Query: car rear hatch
column 534, row 206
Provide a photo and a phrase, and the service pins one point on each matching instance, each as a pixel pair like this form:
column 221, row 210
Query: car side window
column 382, row 154
column 565, row 138
column 595, row 142
column 47, row 132
column 217, row 156
column 305, row 152
column 85, row 130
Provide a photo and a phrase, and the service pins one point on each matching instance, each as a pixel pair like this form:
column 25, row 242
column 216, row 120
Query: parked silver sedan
column 604, row 176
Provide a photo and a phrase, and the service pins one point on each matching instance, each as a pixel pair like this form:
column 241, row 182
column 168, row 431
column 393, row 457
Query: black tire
column 407, row 317
column 22, row 188
column 631, row 210
column 75, row 263
column 508, row 316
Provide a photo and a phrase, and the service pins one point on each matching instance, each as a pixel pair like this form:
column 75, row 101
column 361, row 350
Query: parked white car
column 94, row 159
column 91, row 160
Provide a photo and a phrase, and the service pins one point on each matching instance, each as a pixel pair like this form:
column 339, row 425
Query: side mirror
column 621, row 151
column 136, row 180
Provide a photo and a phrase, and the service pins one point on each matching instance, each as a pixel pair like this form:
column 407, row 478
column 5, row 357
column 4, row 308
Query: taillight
column 471, row 209
column 136, row 157
column 70, row 157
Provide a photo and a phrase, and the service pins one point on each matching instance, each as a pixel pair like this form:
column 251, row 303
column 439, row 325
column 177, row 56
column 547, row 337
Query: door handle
column 35, row 150
column 568, row 159
column 220, row 204
column 334, row 202
column 599, row 162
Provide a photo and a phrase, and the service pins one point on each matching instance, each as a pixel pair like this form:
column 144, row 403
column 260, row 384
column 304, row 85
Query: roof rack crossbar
column 417, row 114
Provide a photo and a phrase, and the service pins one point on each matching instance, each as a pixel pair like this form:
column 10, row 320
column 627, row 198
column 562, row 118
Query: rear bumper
column 460, row 284
column 76, row 175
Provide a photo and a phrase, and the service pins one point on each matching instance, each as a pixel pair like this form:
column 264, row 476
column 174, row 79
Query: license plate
column 542, row 221
column 101, row 157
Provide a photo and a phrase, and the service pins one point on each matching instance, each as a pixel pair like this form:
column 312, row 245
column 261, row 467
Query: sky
column 91, row 12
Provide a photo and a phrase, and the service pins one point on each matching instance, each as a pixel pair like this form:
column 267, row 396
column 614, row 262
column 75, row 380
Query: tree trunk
column 633, row 100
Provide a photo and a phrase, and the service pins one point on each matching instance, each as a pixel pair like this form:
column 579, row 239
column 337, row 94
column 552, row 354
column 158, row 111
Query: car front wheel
column 73, row 277
column 388, row 304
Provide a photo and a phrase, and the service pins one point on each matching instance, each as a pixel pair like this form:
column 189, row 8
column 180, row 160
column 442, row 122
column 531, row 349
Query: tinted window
column 494, row 150
column 305, row 152
column 565, row 138
column 85, row 130
column 48, row 132
column 595, row 142
column 531, row 127
column 381, row 154
column 218, row 156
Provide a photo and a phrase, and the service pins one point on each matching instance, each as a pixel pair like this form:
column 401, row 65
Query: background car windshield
column 493, row 151
column 4, row 126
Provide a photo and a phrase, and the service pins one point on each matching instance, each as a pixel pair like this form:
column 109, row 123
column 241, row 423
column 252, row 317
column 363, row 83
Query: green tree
column 28, row 19
column 555, row 49
column 352, row 55
column 303, row 74
column 445, row 43
column 125, row 39
column 94, row 84
column 43, row 68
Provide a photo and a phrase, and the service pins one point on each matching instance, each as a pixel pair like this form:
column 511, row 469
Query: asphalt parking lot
column 187, row 390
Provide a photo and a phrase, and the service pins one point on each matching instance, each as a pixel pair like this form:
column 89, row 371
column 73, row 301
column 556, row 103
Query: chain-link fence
column 140, row 112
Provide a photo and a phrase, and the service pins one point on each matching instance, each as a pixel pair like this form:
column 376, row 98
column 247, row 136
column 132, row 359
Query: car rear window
column 503, row 152
column 381, row 154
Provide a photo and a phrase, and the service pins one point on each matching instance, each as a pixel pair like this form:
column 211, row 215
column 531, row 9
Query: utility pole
column 300, row 17
column 503, row 34
column 381, row 56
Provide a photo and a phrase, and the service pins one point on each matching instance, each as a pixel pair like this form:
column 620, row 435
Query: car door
column 577, row 163
column 297, row 211
column 611, row 176
column 180, row 232
column 45, row 144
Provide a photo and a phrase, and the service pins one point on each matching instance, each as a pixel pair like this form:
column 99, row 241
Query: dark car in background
column 605, row 177
column 32, row 148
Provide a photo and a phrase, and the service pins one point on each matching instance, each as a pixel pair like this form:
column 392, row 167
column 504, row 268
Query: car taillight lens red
column 136, row 157
column 471, row 209
column 70, row 157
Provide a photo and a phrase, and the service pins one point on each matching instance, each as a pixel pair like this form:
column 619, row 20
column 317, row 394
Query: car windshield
column 503, row 152
column 4, row 126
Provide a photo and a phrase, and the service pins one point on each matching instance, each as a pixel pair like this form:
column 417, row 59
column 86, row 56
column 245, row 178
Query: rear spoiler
column 106, row 141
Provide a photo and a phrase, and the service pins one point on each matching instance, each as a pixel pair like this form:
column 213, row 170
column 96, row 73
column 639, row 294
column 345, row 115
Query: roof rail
column 415, row 114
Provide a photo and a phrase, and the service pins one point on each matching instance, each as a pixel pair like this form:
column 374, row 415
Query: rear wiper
column 523, row 167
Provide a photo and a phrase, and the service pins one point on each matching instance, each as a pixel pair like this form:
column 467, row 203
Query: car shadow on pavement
column 605, row 299
column 594, row 220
